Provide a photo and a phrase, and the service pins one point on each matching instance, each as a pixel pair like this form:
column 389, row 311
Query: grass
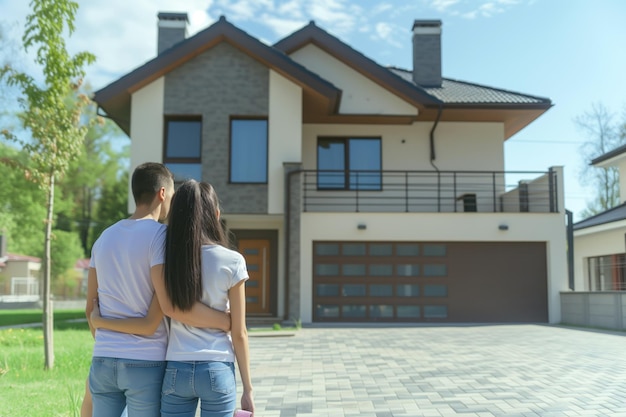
column 13, row 317
column 28, row 390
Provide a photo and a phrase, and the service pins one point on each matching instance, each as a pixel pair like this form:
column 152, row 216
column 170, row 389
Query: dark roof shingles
column 462, row 92
column 611, row 215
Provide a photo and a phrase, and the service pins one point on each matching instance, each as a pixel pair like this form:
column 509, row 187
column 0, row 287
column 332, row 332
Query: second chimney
column 427, row 53
column 172, row 30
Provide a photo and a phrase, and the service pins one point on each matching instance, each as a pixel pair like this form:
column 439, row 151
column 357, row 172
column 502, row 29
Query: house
column 19, row 278
column 356, row 192
column 600, row 240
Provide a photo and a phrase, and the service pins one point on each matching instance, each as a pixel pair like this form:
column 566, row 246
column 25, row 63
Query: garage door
column 429, row 282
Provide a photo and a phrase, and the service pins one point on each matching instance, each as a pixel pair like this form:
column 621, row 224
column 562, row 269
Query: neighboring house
column 600, row 240
column 356, row 192
column 19, row 278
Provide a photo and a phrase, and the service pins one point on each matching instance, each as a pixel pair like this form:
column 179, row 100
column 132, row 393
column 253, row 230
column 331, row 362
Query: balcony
column 429, row 191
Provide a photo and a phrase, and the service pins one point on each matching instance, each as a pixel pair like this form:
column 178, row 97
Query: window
column 607, row 273
column 248, row 151
column 349, row 164
column 183, row 145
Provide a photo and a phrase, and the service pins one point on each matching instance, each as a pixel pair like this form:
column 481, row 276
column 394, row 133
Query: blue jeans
column 211, row 382
column 116, row 383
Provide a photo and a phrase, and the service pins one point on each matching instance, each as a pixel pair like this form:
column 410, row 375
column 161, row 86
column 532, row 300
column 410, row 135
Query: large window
column 183, row 145
column 248, row 151
column 607, row 273
column 349, row 164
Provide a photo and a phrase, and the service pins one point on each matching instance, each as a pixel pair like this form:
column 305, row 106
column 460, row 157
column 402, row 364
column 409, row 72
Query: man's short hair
column 147, row 180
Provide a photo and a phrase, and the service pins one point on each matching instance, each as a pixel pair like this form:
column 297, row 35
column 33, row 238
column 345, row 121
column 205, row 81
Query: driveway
column 465, row 370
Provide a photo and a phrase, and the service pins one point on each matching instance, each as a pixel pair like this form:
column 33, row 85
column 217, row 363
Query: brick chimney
column 172, row 30
column 427, row 53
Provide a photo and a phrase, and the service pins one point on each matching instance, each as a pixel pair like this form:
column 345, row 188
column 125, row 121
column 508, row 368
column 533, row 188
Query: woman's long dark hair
column 193, row 222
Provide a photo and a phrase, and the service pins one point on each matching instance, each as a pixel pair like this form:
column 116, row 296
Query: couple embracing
column 140, row 270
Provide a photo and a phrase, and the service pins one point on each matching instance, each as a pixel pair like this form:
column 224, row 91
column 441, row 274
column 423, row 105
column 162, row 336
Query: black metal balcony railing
column 429, row 191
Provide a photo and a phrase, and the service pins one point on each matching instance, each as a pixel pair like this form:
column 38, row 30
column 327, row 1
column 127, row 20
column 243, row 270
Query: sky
column 570, row 51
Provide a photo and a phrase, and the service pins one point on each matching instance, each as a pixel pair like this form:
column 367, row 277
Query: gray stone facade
column 169, row 37
column 427, row 60
column 293, row 243
column 216, row 85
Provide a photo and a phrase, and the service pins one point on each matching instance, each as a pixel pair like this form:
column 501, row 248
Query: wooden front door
column 257, row 255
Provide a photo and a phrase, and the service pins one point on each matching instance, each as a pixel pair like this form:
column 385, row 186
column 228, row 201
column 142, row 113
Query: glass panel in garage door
column 431, row 270
column 327, row 311
column 353, row 311
column 327, row 290
column 381, row 311
column 435, row 312
column 435, row 291
column 407, row 249
column 408, row 312
column 381, row 290
column 381, row 270
column 408, row 290
column 353, row 290
column 431, row 249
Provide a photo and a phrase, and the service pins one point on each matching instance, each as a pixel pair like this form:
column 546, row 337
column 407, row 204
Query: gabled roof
column 611, row 215
column 312, row 34
column 115, row 98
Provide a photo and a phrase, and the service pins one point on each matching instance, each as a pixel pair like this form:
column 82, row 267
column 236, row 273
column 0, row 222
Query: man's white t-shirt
column 122, row 257
column 222, row 269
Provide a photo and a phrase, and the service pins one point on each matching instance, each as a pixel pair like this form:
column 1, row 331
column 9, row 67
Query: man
column 127, row 369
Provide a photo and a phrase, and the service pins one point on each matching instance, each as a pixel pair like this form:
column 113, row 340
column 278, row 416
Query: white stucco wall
column 441, row 227
column 146, row 128
column 285, row 135
column 359, row 94
column 458, row 146
column 601, row 240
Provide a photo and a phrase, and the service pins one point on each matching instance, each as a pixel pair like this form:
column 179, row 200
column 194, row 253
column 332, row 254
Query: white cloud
column 293, row 9
column 381, row 8
column 338, row 16
column 388, row 33
column 243, row 10
column 282, row 27
column 443, row 5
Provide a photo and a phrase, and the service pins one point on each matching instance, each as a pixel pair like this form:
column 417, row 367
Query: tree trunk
column 48, row 312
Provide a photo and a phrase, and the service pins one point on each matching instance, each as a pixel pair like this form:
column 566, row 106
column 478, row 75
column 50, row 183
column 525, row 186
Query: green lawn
column 28, row 390
column 13, row 317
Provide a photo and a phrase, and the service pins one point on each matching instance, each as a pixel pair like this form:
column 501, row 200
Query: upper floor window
column 248, row 151
column 183, row 147
column 349, row 164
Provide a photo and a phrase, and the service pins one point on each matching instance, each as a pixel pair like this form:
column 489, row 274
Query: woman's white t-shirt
column 222, row 269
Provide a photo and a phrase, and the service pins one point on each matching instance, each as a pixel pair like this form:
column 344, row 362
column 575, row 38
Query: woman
column 199, row 267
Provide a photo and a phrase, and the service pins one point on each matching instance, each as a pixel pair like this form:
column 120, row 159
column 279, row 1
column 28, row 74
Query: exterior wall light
column 361, row 226
column 503, row 227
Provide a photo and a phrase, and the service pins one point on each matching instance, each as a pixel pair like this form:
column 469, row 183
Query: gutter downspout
column 432, row 137
column 570, row 248
column 433, row 156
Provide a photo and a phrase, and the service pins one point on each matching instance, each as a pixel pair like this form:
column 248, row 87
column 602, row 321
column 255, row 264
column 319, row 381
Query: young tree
column 98, row 165
column 52, row 120
column 603, row 135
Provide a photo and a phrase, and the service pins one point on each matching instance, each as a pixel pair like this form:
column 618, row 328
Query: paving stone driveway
column 473, row 370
